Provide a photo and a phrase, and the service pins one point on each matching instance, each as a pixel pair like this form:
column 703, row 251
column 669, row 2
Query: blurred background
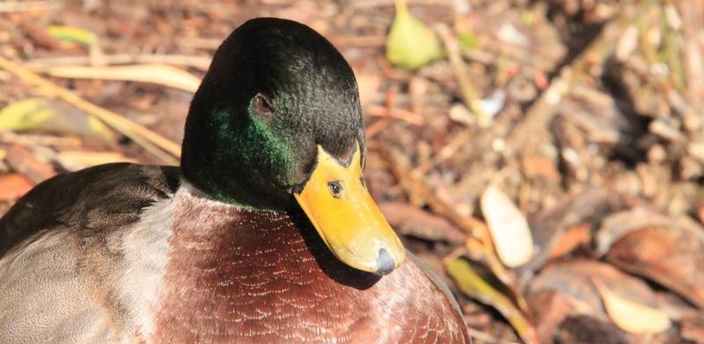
column 545, row 158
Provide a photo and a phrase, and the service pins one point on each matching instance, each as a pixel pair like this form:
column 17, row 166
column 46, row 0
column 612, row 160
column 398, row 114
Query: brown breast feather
column 237, row 276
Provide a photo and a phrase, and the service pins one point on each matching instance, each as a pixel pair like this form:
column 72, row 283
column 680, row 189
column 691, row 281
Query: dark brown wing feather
column 97, row 198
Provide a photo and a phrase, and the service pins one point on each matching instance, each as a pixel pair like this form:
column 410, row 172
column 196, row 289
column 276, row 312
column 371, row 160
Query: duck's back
column 60, row 253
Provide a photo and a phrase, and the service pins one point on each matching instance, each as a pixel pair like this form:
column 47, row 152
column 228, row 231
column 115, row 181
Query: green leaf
column 468, row 39
column 46, row 115
column 411, row 44
column 478, row 282
column 72, row 34
column 27, row 114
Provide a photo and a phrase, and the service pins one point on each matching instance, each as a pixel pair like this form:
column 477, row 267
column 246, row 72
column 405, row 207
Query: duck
column 265, row 232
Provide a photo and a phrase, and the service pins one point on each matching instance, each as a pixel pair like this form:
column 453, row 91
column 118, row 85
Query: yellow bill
column 344, row 214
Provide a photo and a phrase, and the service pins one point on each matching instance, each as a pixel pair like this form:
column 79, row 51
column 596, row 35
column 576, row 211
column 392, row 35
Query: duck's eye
column 261, row 105
column 335, row 188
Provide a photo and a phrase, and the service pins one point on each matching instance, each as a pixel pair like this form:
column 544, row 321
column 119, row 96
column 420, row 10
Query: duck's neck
column 209, row 236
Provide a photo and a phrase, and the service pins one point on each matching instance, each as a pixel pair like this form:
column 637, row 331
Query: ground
column 580, row 118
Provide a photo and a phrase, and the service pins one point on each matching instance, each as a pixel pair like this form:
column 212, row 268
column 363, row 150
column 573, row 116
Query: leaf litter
column 586, row 115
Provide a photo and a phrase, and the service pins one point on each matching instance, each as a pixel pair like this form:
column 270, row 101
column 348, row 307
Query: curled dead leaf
column 572, row 279
column 669, row 255
column 630, row 316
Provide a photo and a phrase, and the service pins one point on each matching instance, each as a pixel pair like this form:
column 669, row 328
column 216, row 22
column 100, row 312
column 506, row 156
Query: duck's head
column 276, row 125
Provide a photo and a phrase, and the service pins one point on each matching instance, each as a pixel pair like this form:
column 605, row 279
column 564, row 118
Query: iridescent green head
column 275, row 90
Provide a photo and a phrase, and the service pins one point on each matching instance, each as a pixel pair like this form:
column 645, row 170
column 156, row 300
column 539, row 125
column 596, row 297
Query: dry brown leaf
column 585, row 329
column 409, row 220
column 540, row 166
column 509, row 228
column 572, row 279
column 13, row 186
column 617, row 225
column 23, row 161
column 574, row 237
column 692, row 327
column 550, row 226
column 549, row 309
column 671, row 256
column 631, row 316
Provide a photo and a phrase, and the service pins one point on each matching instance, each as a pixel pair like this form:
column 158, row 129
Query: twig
column 381, row 124
column 368, row 4
column 33, row 140
column 160, row 74
column 469, row 92
column 691, row 12
column 199, row 62
column 366, row 41
column 28, row 6
column 156, row 144
column 444, row 153
column 404, row 115
column 377, row 127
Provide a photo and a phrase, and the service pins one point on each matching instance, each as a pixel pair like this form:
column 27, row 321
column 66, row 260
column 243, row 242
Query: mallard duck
column 265, row 233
